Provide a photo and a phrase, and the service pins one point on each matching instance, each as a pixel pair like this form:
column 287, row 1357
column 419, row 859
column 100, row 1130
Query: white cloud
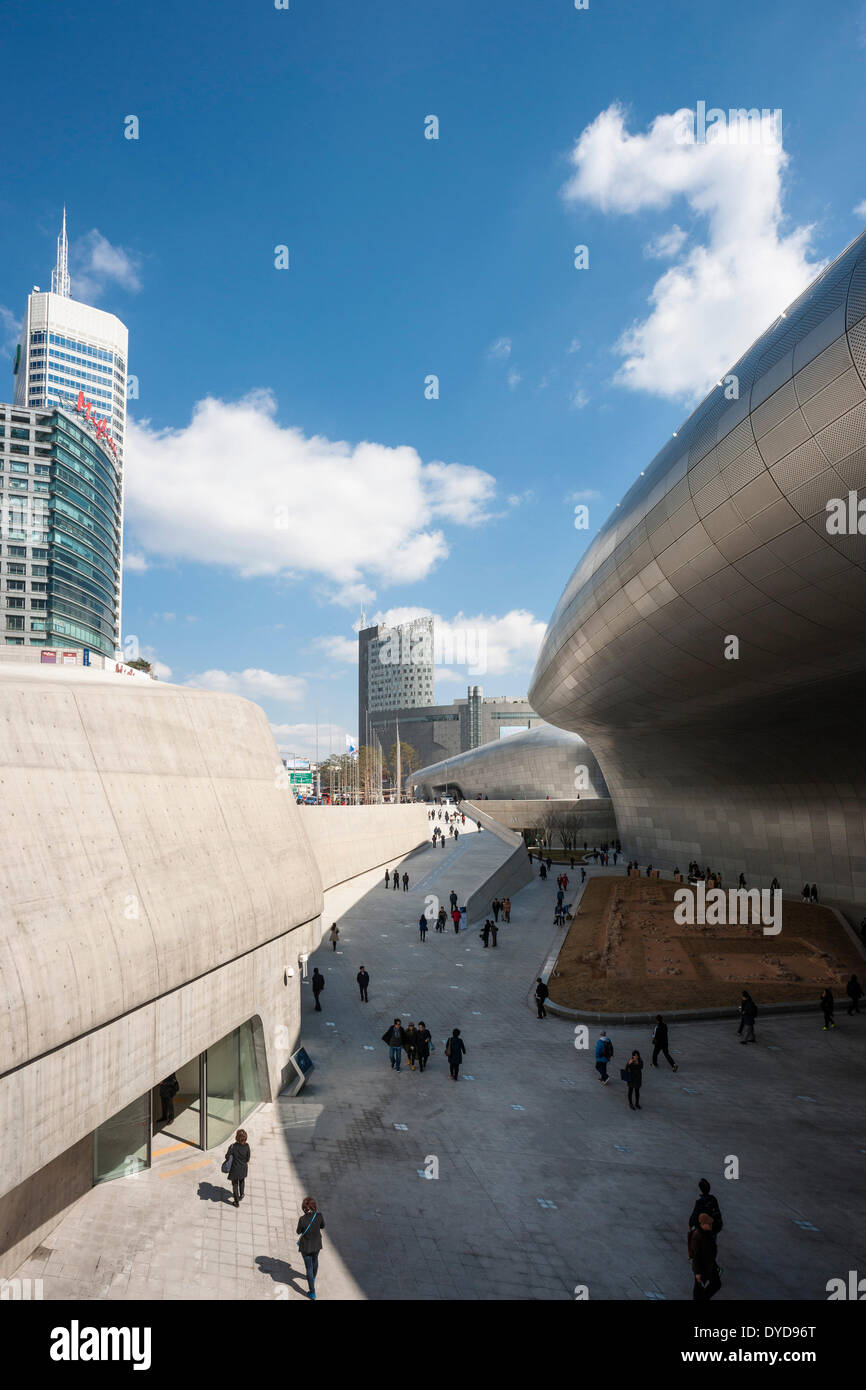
column 161, row 671
column 95, row 265
column 251, row 683
column 574, row 346
column 500, row 349
column 860, row 209
column 342, row 651
column 579, row 399
column 514, row 378
column 236, row 488
column 10, row 331
column 516, row 499
column 136, row 564
column 667, row 245
column 707, row 309
column 586, row 494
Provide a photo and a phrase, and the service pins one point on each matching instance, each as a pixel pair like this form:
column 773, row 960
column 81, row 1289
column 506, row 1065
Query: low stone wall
column 509, row 878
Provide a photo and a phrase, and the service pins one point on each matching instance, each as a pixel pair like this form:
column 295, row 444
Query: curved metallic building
column 752, row 762
column 531, row 765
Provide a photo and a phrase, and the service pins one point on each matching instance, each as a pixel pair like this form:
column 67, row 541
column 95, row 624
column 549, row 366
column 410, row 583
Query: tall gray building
column 395, row 669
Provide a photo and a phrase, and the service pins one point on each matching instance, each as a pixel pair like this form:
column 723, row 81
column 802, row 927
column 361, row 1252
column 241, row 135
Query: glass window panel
column 120, row 1144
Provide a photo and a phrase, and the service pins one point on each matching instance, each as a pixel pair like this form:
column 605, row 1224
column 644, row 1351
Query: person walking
column 702, row 1252
column 582, row 874
column 334, row 936
column 363, row 981
column 455, row 918
column 813, row 895
column 310, row 1226
column 318, row 983
column 804, row 896
column 706, row 1203
column 168, row 1089
column 827, row 1008
column 456, row 836
column 634, row 1077
column 395, row 882
column 854, row 991
column 485, row 933
column 564, row 884
column 441, row 919
column 455, row 1049
column 422, row 927
column 394, row 1038
column 506, row 910
column 387, row 879
column 410, row 1045
column 452, row 898
column 541, row 994
column 542, row 872
column 496, row 905
column 405, row 883
column 494, row 933
column 660, row 1043
column 236, row 1165
column 424, row 1042
column 603, row 1054
column 748, row 1014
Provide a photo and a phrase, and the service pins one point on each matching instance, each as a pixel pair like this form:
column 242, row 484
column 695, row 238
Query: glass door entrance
column 177, row 1117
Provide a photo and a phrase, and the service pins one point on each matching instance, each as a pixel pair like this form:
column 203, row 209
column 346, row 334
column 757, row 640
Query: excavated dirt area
column 625, row 953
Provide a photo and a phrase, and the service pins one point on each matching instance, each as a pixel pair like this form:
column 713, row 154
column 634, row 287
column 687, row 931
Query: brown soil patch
column 624, row 953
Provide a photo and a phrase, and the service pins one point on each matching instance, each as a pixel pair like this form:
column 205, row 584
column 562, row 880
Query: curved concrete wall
column 535, row 763
column 349, row 840
column 145, row 843
column 755, row 763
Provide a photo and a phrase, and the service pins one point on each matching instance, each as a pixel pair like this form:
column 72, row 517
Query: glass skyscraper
column 61, row 474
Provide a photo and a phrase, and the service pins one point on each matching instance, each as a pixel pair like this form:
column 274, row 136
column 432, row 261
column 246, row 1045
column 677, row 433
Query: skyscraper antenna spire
column 60, row 273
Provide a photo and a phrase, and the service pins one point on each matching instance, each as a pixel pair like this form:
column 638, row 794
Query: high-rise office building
column 70, row 352
column 60, row 532
column 395, row 669
column 61, row 473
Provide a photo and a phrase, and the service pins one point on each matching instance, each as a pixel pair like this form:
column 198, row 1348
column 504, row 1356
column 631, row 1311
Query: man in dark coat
column 394, row 1039
column 702, row 1252
column 363, row 981
column 706, row 1204
column 660, row 1043
column 168, row 1089
column 318, row 983
column 541, row 993
column 748, row 1014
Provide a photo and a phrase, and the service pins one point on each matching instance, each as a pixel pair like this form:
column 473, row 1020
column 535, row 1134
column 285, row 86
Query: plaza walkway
column 546, row 1180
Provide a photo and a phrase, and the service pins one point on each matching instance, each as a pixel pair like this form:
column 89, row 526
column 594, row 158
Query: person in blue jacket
column 603, row 1054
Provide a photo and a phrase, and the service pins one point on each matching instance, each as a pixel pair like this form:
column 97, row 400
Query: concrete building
column 159, row 892
column 68, row 348
column 60, row 531
column 711, row 643
column 395, row 669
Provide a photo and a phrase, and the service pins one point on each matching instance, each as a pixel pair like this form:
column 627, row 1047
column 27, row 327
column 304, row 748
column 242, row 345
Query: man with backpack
column 603, row 1054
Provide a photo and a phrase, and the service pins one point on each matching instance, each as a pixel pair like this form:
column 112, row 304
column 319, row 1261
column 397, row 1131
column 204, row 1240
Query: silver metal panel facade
column 533, row 764
column 754, row 763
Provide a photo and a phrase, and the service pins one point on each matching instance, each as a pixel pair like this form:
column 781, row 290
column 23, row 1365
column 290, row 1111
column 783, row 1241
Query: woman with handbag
column 310, row 1227
column 236, row 1164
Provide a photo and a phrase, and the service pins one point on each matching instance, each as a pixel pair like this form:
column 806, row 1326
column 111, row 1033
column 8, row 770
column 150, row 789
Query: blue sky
column 285, row 467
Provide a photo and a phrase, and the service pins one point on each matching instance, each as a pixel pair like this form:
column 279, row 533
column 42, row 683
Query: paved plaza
column 546, row 1180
